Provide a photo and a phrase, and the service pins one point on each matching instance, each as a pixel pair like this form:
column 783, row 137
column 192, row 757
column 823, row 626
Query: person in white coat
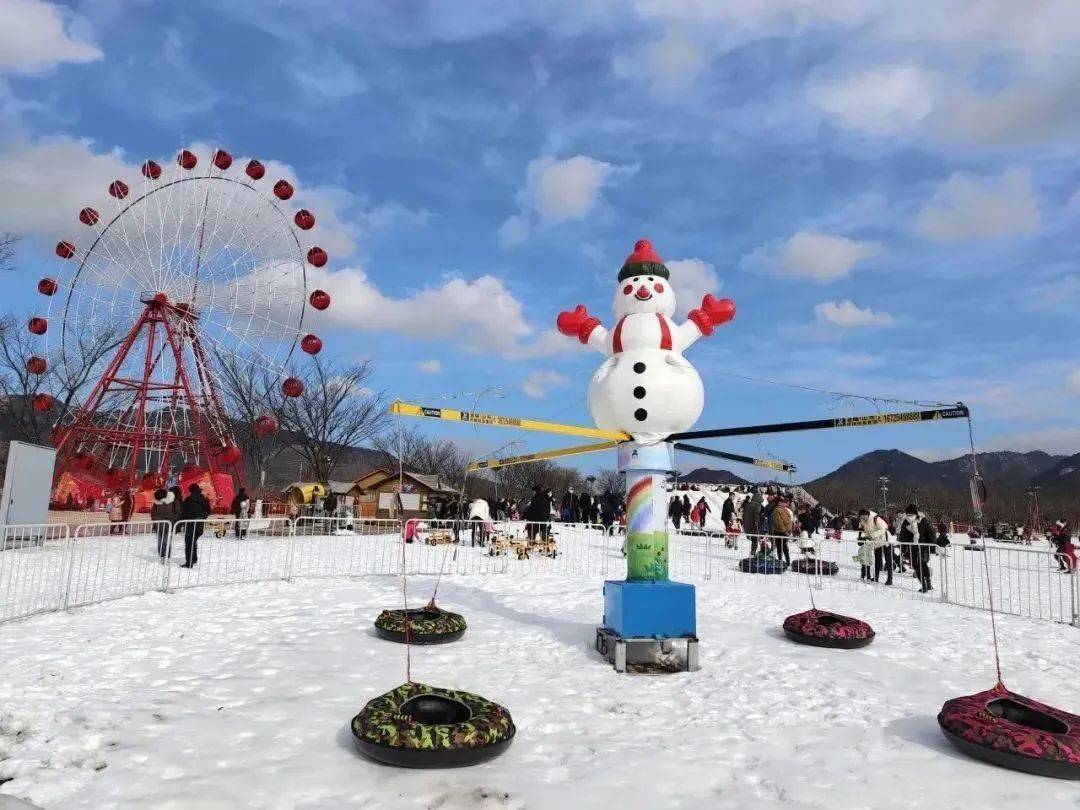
column 876, row 530
column 480, row 520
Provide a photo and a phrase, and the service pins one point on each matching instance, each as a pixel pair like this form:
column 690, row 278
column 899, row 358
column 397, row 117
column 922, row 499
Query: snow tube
column 807, row 565
column 427, row 625
column 761, row 565
column 1015, row 732
column 822, row 628
column 420, row 726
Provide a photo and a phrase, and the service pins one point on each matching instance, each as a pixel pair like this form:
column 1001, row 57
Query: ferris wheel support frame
column 82, row 435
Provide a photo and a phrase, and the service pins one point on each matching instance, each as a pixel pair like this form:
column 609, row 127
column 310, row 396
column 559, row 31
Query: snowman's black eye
column 650, row 278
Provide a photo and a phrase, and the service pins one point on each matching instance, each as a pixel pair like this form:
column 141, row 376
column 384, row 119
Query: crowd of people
column 171, row 507
column 541, row 507
column 771, row 518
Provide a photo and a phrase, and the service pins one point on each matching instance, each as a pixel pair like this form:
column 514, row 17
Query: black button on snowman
column 646, row 387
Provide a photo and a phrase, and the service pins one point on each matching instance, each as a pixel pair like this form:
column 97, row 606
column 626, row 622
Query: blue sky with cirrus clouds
column 888, row 191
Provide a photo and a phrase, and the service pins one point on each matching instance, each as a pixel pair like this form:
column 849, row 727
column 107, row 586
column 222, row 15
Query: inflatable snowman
column 646, row 387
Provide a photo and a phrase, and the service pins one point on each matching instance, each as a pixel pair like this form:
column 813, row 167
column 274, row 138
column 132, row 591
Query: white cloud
column 566, row 189
column 536, row 385
column 481, row 315
column 557, row 191
column 691, row 279
column 35, row 36
column 47, row 182
column 888, row 100
column 846, row 314
column 327, row 75
column 429, row 366
column 811, row 255
column 971, row 207
column 670, row 63
column 1072, row 382
column 393, row 215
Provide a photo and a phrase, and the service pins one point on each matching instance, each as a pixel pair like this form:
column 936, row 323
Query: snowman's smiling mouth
column 642, row 294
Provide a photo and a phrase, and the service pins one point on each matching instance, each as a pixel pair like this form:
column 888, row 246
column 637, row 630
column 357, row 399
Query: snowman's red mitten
column 719, row 312
column 702, row 320
column 578, row 323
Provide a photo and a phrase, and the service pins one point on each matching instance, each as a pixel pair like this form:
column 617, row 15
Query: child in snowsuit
column 865, row 558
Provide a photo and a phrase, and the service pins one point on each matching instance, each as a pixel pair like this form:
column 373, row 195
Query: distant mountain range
column 908, row 472
column 942, row 486
column 704, row 475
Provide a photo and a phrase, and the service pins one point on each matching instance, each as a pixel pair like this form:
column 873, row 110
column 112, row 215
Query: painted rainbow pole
column 646, row 469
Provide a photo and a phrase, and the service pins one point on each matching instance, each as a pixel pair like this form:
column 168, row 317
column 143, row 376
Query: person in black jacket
column 240, row 507
column 584, row 504
column 566, row 506
column 727, row 511
column 537, row 512
column 919, row 531
column 751, row 519
column 675, row 511
column 194, row 509
column 164, row 513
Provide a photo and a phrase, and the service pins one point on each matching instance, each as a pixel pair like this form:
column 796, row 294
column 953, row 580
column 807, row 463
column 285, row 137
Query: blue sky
column 889, row 192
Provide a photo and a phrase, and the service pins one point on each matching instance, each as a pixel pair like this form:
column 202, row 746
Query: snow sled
column 420, row 726
column 822, row 628
column 427, row 625
column 1010, row 730
column 762, row 565
column 808, row 565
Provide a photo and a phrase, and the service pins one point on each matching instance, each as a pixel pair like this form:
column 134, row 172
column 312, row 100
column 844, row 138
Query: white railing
column 48, row 568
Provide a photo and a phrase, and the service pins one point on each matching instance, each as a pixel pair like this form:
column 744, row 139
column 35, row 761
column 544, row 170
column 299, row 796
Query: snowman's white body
column 645, row 387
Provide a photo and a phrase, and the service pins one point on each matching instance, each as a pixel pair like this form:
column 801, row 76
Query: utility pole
column 883, row 482
column 1035, row 516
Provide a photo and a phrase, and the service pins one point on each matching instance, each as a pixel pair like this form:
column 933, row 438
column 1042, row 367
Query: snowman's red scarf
column 665, row 334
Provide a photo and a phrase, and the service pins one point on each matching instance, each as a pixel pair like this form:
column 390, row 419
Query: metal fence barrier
column 48, row 567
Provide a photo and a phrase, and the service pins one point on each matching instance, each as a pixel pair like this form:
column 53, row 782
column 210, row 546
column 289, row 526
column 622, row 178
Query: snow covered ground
column 240, row 696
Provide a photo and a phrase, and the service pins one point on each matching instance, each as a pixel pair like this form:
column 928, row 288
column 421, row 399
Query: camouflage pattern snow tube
column 428, row 625
column 1014, row 732
column 762, row 564
column 808, row 565
column 420, row 726
column 823, row 628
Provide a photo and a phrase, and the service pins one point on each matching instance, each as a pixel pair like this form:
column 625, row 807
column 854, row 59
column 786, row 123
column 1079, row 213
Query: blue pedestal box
column 650, row 609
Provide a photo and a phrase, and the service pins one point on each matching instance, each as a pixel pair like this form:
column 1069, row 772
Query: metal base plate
column 648, row 655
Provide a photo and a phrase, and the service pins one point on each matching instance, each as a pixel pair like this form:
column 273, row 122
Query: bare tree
column 67, row 382
column 335, row 412
column 249, row 393
column 610, row 481
column 8, row 241
column 421, row 454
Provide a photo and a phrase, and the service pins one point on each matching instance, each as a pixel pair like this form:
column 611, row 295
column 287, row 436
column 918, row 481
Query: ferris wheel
column 191, row 268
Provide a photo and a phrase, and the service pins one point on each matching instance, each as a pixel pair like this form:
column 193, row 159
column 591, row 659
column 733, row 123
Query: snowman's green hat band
column 643, row 262
column 643, row 269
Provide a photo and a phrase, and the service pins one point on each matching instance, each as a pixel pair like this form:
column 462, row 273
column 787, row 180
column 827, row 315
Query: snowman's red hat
column 643, row 262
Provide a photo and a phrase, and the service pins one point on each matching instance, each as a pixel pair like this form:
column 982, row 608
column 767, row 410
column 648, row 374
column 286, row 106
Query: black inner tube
column 1016, row 712
column 829, row 621
column 420, row 613
column 435, row 710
